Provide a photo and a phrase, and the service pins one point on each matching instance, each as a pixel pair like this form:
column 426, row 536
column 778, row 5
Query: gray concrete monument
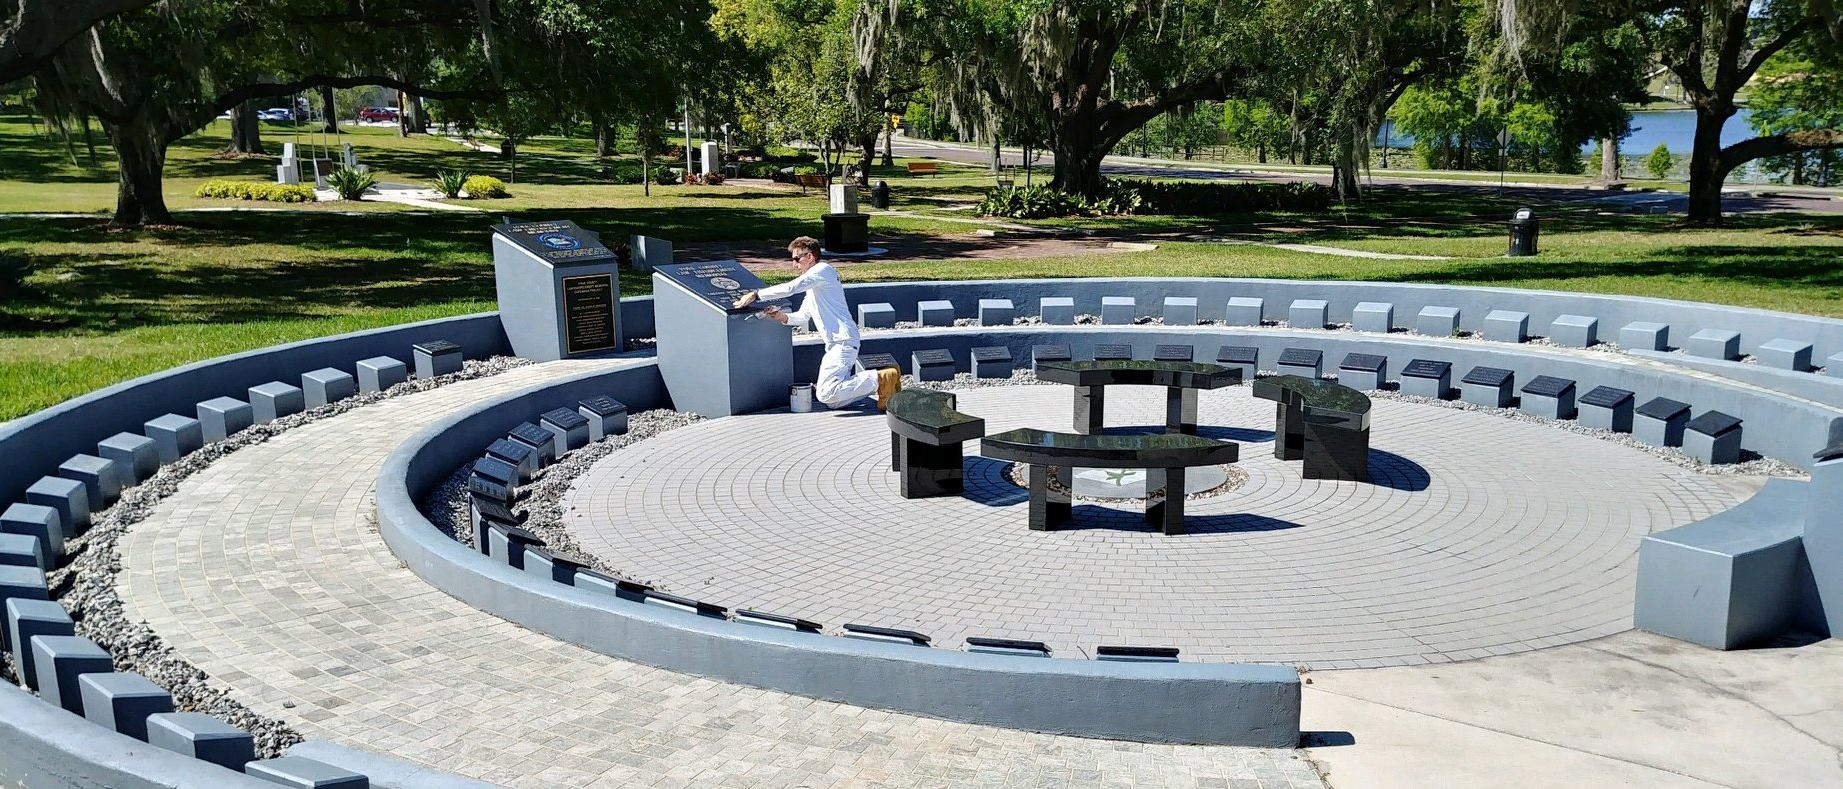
column 717, row 360
column 559, row 290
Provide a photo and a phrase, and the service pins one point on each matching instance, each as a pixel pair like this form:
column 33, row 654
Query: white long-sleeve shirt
column 824, row 304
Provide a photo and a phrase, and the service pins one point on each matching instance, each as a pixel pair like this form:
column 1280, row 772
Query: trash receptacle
column 880, row 196
column 1524, row 228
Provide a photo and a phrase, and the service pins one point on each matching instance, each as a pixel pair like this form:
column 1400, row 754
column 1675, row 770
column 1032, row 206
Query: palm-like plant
column 351, row 183
column 450, row 182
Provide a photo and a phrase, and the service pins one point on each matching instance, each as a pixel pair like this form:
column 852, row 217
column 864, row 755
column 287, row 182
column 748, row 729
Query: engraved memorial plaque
column 719, row 282
column 588, row 313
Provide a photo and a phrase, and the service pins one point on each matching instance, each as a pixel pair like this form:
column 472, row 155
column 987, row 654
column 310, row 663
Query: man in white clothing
column 825, row 308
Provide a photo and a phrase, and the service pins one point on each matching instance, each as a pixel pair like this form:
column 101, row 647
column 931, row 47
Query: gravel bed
column 86, row 585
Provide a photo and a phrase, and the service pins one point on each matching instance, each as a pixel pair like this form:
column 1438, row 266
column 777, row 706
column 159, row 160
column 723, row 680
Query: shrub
column 666, row 176
column 713, row 179
column 485, row 187
column 1132, row 196
column 1030, row 202
column 760, row 169
column 627, row 174
column 351, row 183
column 1660, row 162
column 220, row 189
column 450, row 182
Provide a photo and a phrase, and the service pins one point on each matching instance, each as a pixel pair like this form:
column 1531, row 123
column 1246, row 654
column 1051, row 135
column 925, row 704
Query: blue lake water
column 1675, row 128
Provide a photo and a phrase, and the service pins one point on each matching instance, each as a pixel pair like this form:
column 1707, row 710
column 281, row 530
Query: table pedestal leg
column 1090, row 402
column 929, row 470
column 1048, row 508
column 1167, row 514
column 1180, row 410
column 1289, row 432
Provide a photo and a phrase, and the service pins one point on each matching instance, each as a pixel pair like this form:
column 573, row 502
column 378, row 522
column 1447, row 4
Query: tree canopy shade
column 36, row 29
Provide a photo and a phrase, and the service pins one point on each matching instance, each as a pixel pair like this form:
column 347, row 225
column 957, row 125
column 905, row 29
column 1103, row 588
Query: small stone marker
column 174, row 436
column 1549, row 397
column 886, row 634
column 1174, row 353
column 121, row 702
column 327, row 385
column 223, row 417
column 1117, row 310
column 570, row 428
column 498, row 472
column 992, row 361
column 274, row 400
column 1048, row 353
column 1308, row 314
column 1491, row 387
column 509, row 544
column 936, row 312
column 101, row 482
column 436, row 357
column 935, row 364
column 1833, row 365
column 1645, row 336
column 880, row 315
column 1607, row 408
column 379, row 373
column 1180, row 310
column 1112, row 351
column 135, row 455
column 1057, row 310
column 20, row 550
column 1427, row 378
column 1785, row 354
column 59, row 661
column 26, row 618
column 515, row 454
column 607, row 416
column 202, row 737
column 1363, row 370
column 1575, row 331
column 1137, row 654
column 304, row 773
column 1007, row 646
column 22, row 583
column 1714, row 344
column 996, row 312
column 1660, row 422
column 1437, row 321
column 1507, row 326
column 1373, row 316
column 1244, row 311
column 40, row 523
column 1305, row 362
column 649, row 253
column 1713, row 437
column 537, row 438
column 1245, row 358
column 877, row 361
column 67, row 496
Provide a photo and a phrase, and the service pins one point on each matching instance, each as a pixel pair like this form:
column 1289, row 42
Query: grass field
column 102, row 305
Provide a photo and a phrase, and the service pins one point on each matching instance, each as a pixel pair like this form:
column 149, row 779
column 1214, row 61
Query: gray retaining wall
column 42, row 746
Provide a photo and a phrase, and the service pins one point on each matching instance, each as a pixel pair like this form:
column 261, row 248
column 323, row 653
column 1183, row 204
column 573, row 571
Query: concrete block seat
column 1245, row 358
column 1491, row 387
column 436, row 358
column 748, row 616
column 1373, row 316
column 1785, row 354
column 1607, row 408
column 1549, row 397
column 1308, row 314
column 1056, row 310
column 1714, row 344
column 274, row 400
column 878, row 315
column 1118, row 310
column 379, row 373
column 890, row 635
column 1427, row 378
column 932, row 364
column 59, row 661
column 926, row 442
column 1713, row 437
column 1180, row 310
column 1507, row 326
column 1244, row 311
column 26, row 618
column 102, row 483
column 992, row 361
column 1163, row 456
column 1732, row 578
column 1645, row 336
column 996, row 312
column 1577, row 331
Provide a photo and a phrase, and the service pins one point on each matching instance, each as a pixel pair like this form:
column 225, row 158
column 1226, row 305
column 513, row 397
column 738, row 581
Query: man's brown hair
column 803, row 245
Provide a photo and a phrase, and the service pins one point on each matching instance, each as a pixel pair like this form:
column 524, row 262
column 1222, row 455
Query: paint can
column 800, row 398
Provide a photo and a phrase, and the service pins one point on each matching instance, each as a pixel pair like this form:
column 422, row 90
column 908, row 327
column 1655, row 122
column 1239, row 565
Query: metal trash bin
column 880, row 196
column 1524, row 229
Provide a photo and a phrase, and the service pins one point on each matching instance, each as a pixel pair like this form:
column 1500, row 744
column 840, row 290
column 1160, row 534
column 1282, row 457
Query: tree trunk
column 419, row 116
column 1706, row 171
column 869, row 143
column 889, row 146
column 141, row 156
column 403, row 115
column 604, row 140
column 245, row 130
column 329, row 111
column 1078, row 164
column 1344, row 171
column 1609, row 159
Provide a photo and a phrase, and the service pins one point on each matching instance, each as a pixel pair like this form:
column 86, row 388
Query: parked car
column 275, row 114
column 378, row 114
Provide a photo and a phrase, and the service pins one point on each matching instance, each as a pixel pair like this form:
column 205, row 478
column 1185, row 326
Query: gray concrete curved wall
column 45, row 747
column 1153, row 702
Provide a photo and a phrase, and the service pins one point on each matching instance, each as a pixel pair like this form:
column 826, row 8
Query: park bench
column 1164, row 456
column 1323, row 423
column 926, row 435
column 812, row 181
column 924, row 168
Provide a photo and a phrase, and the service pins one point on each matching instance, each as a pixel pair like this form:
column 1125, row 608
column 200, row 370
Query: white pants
column 838, row 384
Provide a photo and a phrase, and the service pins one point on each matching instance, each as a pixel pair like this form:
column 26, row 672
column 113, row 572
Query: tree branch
column 1761, row 55
column 45, row 26
column 1778, row 145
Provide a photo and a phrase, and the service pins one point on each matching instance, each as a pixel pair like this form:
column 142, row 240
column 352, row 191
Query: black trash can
column 880, row 196
column 1524, row 228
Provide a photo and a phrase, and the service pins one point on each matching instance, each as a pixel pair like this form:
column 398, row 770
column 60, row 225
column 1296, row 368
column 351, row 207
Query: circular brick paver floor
column 1480, row 536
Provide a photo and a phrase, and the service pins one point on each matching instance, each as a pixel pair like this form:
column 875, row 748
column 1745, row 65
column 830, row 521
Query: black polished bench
column 926, row 434
column 1163, row 456
column 1323, row 423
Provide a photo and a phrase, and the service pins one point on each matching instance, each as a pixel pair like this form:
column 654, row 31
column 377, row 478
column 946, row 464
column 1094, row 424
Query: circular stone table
column 1478, row 535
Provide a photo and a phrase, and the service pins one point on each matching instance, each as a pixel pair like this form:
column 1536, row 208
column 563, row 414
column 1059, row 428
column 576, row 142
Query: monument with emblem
column 559, row 290
column 717, row 359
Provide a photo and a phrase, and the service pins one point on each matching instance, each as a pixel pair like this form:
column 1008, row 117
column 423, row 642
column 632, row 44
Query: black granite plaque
column 532, row 435
column 496, row 470
column 802, row 625
column 1300, row 357
column 1663, row 408
column 557, row 242
column 1606, row 397
column 1713, row 423
column 588, row 313
column 489, row 489
column 564, row 419
column 1050, row 353
column 1487, row 376
column 888, row 632
column 719, row 282
column 1426, row 368
column 1113, row 351
column 1548, row 386
column 1363, row 362
column 993, row 353
column 603, row 405
column 1238, row 354
column 1173, row 353
column 437, row 347
column 877, row 361
column 933, row 356
column 1829, row 453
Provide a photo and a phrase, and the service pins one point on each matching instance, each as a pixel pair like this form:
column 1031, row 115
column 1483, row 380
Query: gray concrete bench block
column 1376, row 316
column 1245, row 358
column 59, row 661
column 1047, row 353
column 223, row 417
column 1660, row 421
column 1607, row 408
column 379, row 373
column 570, row 428
column 1506, row 326
column 1491, row 387
column 327, row 385
column 877, row 315
column 121, row 702
column 1306, row 362
column 1645, row 336
column 1308, row 313
column 436, row 358
column 26, row 618
column 1180, row 310
column 1714, row 344
column 937, row 312
column 1427, row 378
column 992, row 362
column 1245, row 311
column 40, row 523
column 1785, row 354
column 1363, row 370
column 996, row 312
column 1057, row 310
column 174, row 436
column 1730, row 579
column 1118, row 310
column 274, row 400
column 202, row 737
column 20, row 550
column 101, row 481
column 607, row 417
column 1549, row 397
column 1713, row 437
column 1437, row 321
column 67, row 496
column 934, row 364
column 1576, row 331
column 134, row 454
column 303, row 773
column 508, row 544
column 1833, row 365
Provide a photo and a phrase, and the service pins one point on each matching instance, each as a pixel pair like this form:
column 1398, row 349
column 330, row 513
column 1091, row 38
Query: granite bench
column 926, row 440
column 1164, row 457
column 1323, row 423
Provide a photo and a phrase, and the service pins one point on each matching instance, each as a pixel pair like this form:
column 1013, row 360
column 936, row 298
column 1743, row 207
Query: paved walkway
column 265, row 572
